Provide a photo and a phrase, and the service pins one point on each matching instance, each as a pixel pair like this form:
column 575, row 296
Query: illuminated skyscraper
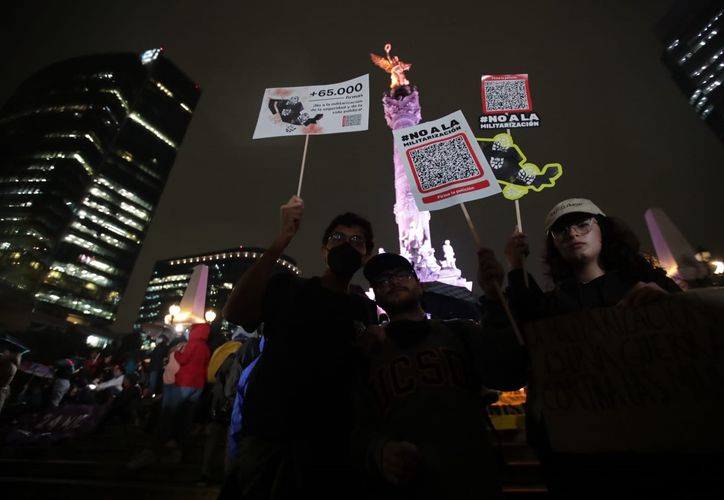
column 693, row 33
column 170, row 277
column 86, row 146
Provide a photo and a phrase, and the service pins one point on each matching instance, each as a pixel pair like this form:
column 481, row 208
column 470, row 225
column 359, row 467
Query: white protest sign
column 444, row 163
column 320, row 109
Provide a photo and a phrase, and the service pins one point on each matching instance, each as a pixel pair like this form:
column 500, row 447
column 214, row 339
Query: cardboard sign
column 444, row 163
column 514, row 172
column 320, row 109
column 633, row 379
column 507, row 102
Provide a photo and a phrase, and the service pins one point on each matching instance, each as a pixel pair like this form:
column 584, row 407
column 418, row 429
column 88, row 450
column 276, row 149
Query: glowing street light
column 210, row 316
column 174, row 310
column 718, row 266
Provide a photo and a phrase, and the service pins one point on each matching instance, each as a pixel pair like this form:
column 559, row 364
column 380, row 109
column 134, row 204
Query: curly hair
column 620, row 251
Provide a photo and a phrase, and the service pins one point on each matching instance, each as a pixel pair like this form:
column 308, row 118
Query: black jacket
column 571, row 296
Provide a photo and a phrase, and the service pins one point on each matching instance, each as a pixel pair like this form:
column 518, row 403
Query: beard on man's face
column 394, row 301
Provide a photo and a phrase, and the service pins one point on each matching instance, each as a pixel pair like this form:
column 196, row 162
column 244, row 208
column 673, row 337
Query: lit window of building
column 171, row 277
column 693, row 37
column 77, row 199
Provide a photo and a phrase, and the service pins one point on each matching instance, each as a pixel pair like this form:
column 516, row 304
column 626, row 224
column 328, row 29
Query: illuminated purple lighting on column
column 402, row 110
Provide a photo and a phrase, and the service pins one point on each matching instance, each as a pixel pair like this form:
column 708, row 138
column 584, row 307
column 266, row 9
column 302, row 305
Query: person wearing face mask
column 297, row 410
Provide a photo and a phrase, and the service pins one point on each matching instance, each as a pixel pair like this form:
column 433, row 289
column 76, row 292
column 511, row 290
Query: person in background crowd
column 179, row 398
column 9, row 363
column 93, row 363
column 111, row 387
column 223, row 375
column 61, row 383
column 155, row 367
column 124, row 406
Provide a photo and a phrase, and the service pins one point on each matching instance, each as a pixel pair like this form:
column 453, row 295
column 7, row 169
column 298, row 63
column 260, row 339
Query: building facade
column 86, row 147
column 693, row 34
column 170, row 278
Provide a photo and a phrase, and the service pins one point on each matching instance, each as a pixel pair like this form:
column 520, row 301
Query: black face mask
column 344, row 260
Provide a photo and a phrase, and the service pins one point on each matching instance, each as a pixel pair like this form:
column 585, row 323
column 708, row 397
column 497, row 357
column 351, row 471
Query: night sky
column 610, row 112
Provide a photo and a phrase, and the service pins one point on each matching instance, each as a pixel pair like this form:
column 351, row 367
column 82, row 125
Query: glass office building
column 86, row 147
column 693, row 34
column 170, row 278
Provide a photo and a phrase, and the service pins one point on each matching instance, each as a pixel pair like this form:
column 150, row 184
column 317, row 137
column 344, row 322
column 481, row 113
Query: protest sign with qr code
column 444, row 163
column 507, row 102
column 319, row 109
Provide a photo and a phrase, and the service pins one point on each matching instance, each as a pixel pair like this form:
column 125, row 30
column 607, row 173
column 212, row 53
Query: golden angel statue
column 393, row 66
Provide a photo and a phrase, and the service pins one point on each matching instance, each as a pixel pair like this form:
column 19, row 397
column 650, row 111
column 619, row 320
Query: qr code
column 351, row 120
column 506, row 95
column 443, row 162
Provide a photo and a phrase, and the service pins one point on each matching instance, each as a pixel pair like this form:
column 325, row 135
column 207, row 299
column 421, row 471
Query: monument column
column 402, row 109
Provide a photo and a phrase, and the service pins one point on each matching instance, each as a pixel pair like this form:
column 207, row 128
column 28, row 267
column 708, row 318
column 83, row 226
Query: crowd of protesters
column 332, row 402
column 101, row 378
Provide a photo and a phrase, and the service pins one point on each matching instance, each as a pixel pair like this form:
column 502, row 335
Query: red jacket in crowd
column 194, row 358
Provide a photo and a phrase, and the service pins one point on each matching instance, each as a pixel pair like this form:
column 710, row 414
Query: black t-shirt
column 301, row 386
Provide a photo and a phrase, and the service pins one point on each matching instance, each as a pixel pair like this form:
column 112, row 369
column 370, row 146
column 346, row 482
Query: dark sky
column 611, row 113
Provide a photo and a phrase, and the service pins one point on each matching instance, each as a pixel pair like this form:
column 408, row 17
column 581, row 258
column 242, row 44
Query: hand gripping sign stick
column 501, row 297
column 304, row 159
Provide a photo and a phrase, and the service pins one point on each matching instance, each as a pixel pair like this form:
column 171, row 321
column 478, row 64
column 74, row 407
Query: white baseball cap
column 572, row 205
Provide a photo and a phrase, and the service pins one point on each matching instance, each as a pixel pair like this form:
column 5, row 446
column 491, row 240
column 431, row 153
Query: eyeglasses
column 385, row 279
column 356, row 241
column 581, row 228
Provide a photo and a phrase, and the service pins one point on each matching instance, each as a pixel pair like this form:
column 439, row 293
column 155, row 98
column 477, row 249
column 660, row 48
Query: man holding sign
column 297, row 410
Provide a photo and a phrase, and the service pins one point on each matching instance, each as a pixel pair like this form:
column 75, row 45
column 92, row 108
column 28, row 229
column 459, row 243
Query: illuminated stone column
column 672, row 249
column 402, row 110
column 193, row 303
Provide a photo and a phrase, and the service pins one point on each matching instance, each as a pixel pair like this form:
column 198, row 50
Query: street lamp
column 173, row 312
column 210, row 316
column 718, row 266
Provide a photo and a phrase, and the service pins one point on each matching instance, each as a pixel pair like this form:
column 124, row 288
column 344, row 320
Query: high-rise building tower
column 693, row 34
column 170, row 278
column 86, row 146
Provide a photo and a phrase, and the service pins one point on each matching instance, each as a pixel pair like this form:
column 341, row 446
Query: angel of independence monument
column 402, row 110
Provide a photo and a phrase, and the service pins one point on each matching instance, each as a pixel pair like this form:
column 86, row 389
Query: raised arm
column 244, row 306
